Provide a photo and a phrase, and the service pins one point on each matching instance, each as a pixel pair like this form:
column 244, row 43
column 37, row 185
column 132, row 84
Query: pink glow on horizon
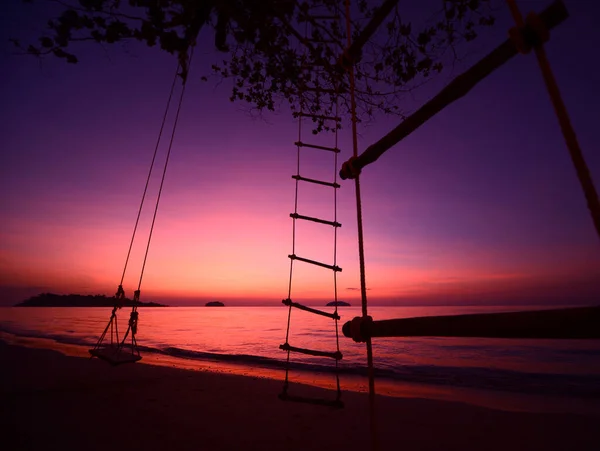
column 481, row 203
column 240, row 255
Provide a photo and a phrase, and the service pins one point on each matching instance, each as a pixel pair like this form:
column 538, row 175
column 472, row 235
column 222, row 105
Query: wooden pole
column 571, row 323
column 348, row 65
column 583, row 173
column 457, row 88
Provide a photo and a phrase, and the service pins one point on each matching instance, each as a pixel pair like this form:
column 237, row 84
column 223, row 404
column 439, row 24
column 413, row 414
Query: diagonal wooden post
column 568, row 132
column 551, row 17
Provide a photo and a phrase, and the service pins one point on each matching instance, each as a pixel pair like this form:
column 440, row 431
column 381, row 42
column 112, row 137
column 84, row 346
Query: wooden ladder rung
column 337, row 403
column 318, row 182
column 337, row 355
column 320, row 221
column 315, row 146
column 313, row 262
column 291, row 303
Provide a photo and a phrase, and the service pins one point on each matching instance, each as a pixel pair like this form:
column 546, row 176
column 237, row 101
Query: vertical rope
column 361, row 253
column 289, row 319
column 337, row 81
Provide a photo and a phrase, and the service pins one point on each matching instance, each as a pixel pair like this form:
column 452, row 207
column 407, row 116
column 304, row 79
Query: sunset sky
column 480, row 205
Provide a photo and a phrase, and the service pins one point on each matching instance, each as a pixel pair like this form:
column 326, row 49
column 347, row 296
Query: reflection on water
column 235, row 338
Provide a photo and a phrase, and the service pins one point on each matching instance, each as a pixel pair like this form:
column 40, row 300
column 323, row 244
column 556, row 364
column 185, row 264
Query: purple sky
column 481, row 204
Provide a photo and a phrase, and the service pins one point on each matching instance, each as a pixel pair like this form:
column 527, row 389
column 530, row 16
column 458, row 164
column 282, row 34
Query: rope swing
column 117, row 350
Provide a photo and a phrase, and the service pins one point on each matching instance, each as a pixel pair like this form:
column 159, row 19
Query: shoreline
column 495, row 399
column 53, row 401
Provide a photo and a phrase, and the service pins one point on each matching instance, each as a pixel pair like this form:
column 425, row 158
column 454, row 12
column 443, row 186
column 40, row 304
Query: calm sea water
column 250, row 337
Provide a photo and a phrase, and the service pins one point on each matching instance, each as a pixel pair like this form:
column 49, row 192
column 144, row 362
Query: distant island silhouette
column 79, row 300
column 339, row 304
column 215, row 304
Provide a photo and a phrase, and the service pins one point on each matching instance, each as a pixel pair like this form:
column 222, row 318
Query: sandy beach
column 53, row 401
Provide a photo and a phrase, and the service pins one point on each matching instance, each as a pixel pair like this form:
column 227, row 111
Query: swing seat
column 114, row 355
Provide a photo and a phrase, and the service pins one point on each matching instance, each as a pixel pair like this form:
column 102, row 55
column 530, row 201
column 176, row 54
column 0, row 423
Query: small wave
column 59, row 338
column 466, row 377
column 580, row 385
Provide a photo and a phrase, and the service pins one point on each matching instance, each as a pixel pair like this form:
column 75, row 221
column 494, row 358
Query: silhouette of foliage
column 267, row 54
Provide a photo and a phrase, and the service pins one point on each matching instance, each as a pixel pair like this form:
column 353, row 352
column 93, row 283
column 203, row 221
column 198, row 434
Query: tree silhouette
column 276, row 49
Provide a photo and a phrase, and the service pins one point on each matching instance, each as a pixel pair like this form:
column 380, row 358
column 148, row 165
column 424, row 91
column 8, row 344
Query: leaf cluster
column 280, row 50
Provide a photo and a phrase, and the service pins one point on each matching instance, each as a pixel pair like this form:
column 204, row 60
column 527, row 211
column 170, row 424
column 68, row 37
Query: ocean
column 245, row 340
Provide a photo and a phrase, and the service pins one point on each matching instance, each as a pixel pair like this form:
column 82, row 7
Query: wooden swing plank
column 115, row 356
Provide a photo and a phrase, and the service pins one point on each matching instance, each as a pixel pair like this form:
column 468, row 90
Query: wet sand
column 53, row 401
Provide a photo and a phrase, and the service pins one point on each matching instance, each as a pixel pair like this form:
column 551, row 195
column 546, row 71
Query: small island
column 215, row 304
column 79, row 300
column 339, row 304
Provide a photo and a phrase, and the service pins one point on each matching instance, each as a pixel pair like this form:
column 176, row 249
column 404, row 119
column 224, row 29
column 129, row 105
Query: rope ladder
column 323, row 15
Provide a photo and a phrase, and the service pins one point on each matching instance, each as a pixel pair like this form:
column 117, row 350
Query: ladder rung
column 290, row 303
column 337, row 403
column 337, row 355
column 314, row 146
column 320, row 116
column 320, row 221
column 318, row 182
column 306, row 260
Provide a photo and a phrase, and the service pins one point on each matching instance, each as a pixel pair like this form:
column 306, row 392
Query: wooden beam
column 569, row 323
column 581, row 168
column 552, row 16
